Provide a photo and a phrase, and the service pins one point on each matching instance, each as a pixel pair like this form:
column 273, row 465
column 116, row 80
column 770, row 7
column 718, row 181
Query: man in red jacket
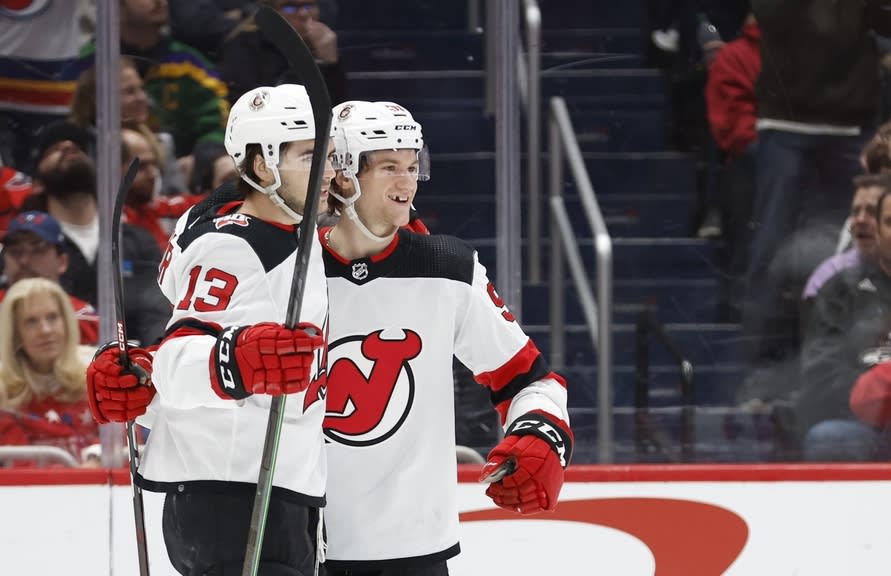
column 730, row 92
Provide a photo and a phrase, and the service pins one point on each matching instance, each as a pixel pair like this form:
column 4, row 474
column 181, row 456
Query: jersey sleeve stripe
column 526, row 366
column 502, row 401
column 520, row 364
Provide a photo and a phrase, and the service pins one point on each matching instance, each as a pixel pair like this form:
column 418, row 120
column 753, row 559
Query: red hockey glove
column 539, row 446
column 871, row 396
column 115, row 394
column 265, row 358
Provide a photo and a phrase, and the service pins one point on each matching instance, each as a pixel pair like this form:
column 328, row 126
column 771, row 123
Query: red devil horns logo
column 364, row 410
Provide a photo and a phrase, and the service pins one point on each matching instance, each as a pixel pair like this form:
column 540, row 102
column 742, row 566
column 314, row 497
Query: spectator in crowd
column 817, row 98
column 135, row 113
column 248, row 60
column 875, row 158
column 847, row 333
column 862, row 225
column 876, row 155
column 34, row 248
column 144, row 208
column 43, row 370
column 189, row 98
column 213, row 167
column 730, row 91
column 38, row 67
column 205, row 24
column 777, row 383
column 67, row 179
column 731, row 109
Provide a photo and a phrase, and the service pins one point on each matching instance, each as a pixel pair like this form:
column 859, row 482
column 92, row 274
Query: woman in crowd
column 43, row 370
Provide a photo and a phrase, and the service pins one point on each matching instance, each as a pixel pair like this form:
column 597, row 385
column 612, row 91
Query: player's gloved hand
column 538, row 447
column 117, row 394
column 265, row 358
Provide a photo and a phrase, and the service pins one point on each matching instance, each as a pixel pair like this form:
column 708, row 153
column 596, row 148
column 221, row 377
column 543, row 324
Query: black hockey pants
column 206, row 532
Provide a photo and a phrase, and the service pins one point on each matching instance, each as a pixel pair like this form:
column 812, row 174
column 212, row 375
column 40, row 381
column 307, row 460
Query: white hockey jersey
column 221, row 269
column 397, row 319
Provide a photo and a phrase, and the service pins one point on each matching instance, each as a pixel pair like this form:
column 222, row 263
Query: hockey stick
column 300, row 59
column 118, row 280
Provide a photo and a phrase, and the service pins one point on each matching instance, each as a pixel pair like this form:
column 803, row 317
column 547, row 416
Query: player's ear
column 264, row 174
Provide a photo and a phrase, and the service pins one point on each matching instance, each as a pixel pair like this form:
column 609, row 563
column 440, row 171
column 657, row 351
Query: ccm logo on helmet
column 405, row 127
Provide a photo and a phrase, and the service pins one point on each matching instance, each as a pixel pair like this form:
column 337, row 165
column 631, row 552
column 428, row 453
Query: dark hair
column 246, row 166
column 877, row 155
column 82, row 111
column 881, row 203
column 882, row 181
column 206, row 154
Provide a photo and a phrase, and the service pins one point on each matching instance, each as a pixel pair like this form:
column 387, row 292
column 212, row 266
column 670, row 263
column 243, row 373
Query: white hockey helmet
column 269, row 116
column 361, row 127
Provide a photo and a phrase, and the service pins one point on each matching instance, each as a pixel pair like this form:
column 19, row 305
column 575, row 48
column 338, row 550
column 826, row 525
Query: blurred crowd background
column 739, row 151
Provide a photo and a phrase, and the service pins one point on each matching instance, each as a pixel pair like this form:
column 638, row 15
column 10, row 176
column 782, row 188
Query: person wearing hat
column 33, row 247
column 65, row 188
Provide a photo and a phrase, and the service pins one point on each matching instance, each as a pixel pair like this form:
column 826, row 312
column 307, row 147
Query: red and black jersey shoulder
column 271, row 242
column 409, row 255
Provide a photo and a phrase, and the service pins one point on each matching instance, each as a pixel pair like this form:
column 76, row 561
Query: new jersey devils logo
column 22, row 9
column 371, row 387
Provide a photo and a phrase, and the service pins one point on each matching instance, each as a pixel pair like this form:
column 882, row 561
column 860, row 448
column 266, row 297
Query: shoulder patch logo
column 237, row 219
column 360, row 270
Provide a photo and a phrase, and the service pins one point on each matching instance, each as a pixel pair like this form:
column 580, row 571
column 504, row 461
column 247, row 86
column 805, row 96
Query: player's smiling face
column 294, row 167
column 389, row 182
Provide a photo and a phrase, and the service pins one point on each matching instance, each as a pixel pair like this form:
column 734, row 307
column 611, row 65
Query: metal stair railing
column 41, row 454
column 529, row 80
column 597, row 311
column 645, row 432
column 529, row 87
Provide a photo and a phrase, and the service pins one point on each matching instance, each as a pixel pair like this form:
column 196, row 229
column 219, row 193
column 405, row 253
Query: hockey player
column 390, row 406
column 390, row 422
column 227, row 272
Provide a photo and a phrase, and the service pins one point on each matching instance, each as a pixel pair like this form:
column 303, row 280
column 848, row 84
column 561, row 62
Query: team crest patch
column 345, row 112
column 237, row 219
column 259, row 100
column 360, row 270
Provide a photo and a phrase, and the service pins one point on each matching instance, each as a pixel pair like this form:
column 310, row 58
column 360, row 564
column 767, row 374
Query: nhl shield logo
column 360, row 270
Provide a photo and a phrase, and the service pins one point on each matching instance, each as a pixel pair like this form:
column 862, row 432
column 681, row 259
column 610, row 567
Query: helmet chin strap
column 271, row 192
column 349, row 209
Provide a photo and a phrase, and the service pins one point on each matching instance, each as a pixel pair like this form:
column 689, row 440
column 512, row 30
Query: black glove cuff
column 226, row 375
column 549, row 428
